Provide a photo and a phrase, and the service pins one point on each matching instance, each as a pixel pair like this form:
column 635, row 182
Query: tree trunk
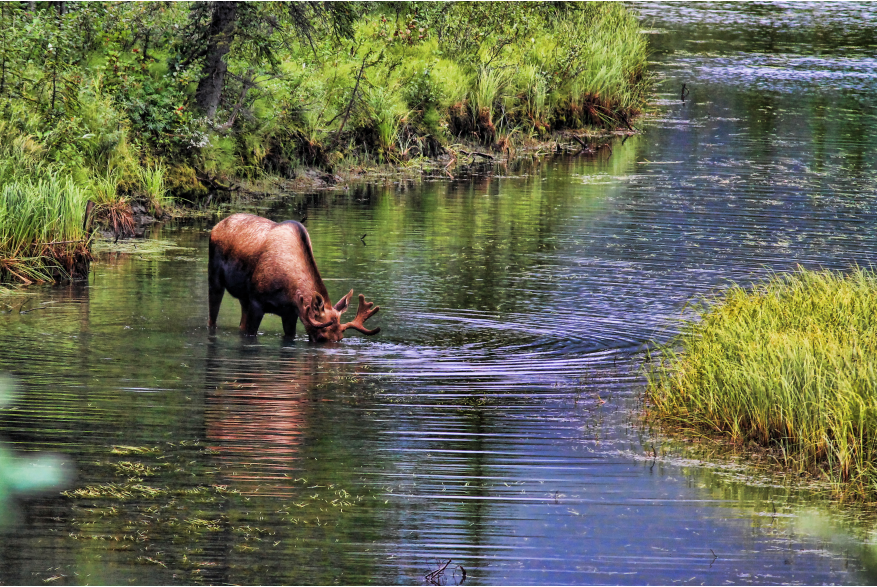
column 219, row 38
column 3, row 67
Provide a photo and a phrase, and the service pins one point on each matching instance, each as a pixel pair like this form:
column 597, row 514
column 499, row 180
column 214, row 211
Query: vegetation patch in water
column 790, row 366
column 152, row 246
column 42, row 237
column 190, row 516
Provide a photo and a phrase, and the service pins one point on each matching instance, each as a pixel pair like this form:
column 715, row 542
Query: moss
column 182, row 181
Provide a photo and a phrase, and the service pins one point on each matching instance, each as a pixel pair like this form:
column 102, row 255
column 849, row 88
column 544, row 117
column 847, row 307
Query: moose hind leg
column 214, row 295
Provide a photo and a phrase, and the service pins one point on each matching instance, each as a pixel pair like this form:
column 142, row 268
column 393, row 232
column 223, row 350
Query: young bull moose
column 270, row 267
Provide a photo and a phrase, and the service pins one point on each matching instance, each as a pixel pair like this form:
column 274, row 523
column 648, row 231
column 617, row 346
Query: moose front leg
column 289, row 323
column 251, row 317
column 245, row 310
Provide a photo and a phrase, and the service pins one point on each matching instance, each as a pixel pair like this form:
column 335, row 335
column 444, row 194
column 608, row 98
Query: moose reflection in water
column 270, row 267
column 267, row 426
column 256, row 421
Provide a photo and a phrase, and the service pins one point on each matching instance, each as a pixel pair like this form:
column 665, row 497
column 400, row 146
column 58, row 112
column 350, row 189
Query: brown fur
column 270, row 268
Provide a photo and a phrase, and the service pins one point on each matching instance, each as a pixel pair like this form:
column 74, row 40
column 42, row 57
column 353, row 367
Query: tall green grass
column 153, row 188
column 48, row 176
column 41, row 229
column 42, row 209
column 790, row 364
column 465, row 72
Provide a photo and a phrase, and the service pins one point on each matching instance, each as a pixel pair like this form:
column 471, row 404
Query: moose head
column 322, row 321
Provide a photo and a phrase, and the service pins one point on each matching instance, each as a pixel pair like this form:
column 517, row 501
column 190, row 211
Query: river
column 495, row 421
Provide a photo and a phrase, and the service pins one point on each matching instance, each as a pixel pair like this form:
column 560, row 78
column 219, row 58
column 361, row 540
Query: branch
column 352, row 99
column 247, row 81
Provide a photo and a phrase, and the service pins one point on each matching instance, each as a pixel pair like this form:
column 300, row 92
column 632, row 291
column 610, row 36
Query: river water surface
column 494, row 422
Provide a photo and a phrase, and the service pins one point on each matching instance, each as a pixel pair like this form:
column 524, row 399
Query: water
column 494, row 421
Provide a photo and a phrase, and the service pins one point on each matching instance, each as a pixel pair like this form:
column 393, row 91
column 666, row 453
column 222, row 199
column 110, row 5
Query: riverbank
column 459, row 159
column 786, row 368
column 171, row 105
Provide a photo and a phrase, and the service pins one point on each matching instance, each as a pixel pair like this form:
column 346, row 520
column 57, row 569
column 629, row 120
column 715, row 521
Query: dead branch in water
column 586, row 148
column 435, row 576
column 478, row 153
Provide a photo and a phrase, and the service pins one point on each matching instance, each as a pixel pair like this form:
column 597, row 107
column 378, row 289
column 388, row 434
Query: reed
column 41, row 229
column 153, row 187
column 790, row 364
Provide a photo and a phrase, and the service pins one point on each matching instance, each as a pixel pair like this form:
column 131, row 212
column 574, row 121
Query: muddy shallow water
column 494, row 421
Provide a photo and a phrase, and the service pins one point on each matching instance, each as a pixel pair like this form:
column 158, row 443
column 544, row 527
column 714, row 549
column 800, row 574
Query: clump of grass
column 154, row 190
column 110, row 206
column 41, row 229
column 602, row 79
column 791, row 365
column 489, row 87
column 385, row 116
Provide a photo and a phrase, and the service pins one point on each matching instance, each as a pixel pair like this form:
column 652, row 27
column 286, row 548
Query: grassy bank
column 162, row 104
column 790, row 365
column 42, row 212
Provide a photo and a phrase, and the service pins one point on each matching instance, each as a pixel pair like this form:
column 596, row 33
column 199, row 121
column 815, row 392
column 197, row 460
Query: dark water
column 494, row 421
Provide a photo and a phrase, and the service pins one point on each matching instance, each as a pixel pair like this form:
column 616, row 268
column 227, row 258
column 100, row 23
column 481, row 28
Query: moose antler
column 363, row 313
column 306, row 313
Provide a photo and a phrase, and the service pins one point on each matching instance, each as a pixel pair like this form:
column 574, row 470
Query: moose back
column 269, row 267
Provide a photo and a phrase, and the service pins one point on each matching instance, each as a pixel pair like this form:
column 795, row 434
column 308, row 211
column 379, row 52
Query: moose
column 269, row 267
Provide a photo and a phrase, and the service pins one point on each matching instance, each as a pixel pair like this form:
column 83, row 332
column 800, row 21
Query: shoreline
column 465, row 157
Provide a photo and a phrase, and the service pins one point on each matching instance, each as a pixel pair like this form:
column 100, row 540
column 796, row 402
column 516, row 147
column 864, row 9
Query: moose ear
column 317, row 303
column 342, row 304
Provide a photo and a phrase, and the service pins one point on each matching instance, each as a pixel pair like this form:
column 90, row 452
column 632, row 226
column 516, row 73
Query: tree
column 258, row 25
column 218, row 40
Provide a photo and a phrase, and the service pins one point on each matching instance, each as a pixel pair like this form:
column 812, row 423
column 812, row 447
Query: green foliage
column 153, row 186
column 789, row 365
column 106, row 95
column 423, row 94
column 40, row 227
column 104, row 189
column 108, row 85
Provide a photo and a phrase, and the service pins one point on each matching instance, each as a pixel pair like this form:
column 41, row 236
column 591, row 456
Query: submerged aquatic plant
column 791, row 365
column 164, row 504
